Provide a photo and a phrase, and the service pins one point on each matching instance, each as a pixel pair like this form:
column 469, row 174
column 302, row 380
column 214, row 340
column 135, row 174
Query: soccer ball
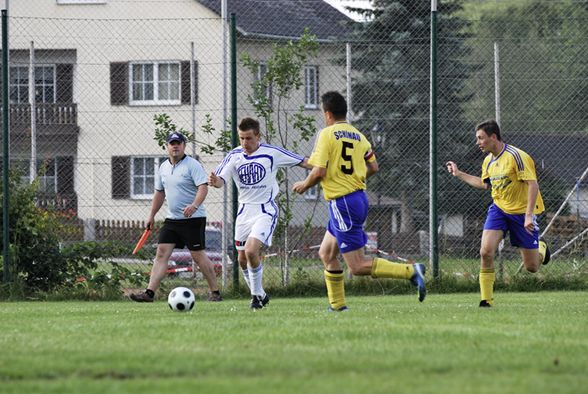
column 181, row 299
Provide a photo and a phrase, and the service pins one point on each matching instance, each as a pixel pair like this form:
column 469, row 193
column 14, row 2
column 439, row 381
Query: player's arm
column 313, row 178
column 532, row 193
column 371, row 164
column 471, row 180
column 156, row 204
column 201, row 194
column 304, row 164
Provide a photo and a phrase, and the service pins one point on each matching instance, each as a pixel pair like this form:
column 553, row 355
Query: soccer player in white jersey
column 253, row 167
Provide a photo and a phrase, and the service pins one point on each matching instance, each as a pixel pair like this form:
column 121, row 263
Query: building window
column 46, row 174
column 311, row 87
column 313, row 192
column 155, row 83
column 44, row 84
column 143, row 171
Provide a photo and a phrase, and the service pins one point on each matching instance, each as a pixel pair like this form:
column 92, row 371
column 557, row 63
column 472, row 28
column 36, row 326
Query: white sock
column 246, row 277
column 256, row 278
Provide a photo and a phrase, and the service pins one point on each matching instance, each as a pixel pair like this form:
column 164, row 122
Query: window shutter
column 65, row 175
column 64, row 83
column 121, row 177
column 185, row 76
column 318, row 91
column 119, row 83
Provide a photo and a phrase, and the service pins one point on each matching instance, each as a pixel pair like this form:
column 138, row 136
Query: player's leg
column 252, row 252
column 333, row 273
column 533, row 251
column 158, row 272
column 243, row 264
column 207, row 268
column 489, row 244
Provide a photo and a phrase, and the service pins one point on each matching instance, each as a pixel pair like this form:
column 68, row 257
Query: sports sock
column 335, row 288
column 487, row 277
column 246, row 277
column 382, row 268
column 255, row 280
column 542, row 250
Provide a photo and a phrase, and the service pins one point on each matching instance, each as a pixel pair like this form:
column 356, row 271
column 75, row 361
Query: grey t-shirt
column 180, row 183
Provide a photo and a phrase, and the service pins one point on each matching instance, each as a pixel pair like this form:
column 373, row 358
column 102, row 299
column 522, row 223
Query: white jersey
column 255, row 174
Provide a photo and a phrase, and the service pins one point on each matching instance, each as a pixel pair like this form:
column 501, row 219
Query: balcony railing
column 45, row 114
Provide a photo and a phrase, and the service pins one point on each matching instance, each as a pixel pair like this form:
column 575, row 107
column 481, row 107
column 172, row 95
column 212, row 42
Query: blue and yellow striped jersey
column 343, row 151
column 507, row 173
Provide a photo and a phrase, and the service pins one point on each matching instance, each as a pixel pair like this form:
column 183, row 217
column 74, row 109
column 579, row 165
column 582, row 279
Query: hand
column 189, row 210
column 213, row 179
column 452, row 168
column 150, row 222
column 529, row 224
column 299, row 187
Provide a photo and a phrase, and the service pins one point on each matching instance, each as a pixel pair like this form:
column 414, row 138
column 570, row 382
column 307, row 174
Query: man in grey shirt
column 182, row 180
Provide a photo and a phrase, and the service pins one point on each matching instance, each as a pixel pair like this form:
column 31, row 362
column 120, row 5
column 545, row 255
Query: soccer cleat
column 547, row 256
column 341, row 309
column 485, row 304
column 141, row 297
column 214, row 296
column 258, row 302
column 418, row 279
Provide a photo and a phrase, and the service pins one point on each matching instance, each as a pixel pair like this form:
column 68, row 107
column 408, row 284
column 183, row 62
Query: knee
column 250, row 254
column 324, row 255
column 486, row 254
column 532, row 268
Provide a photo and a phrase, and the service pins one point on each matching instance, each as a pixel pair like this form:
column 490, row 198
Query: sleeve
column 370, row 156
column 198, row 174
column 225, row 168
column 485, row 176
column 526, row 172
column 285, row 158
column 158, row 183
column 320, row 153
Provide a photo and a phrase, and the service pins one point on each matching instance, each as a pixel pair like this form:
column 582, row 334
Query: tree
column 391, row 55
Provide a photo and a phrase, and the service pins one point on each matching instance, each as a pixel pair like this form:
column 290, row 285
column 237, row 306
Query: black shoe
column 258, row 302
column 485, row 304
column 141, row 297
column 547, row 256
column 214, row 296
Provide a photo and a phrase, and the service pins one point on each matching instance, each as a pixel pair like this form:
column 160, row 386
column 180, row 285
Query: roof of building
column 285, row 18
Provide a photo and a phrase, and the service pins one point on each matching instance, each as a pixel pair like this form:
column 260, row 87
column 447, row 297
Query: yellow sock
column 487, row 277
column 382, row 268
column 335, row 289
column 542, row 249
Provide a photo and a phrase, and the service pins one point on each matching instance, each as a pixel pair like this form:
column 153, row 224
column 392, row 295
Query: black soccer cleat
column 141, row 297
column 485, row 304
column 341, row 309
column 258, row 302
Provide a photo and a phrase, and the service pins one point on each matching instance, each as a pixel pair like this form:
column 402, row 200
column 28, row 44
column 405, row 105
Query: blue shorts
column 497, row 219
column 347, row 216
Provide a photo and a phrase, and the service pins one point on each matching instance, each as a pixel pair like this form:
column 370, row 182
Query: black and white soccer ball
column 181, row 299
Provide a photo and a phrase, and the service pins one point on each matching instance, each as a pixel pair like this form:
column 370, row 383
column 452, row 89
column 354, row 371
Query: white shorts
column 257, row 221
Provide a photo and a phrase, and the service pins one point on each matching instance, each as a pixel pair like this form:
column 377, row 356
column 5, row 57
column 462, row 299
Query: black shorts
column 184, row 232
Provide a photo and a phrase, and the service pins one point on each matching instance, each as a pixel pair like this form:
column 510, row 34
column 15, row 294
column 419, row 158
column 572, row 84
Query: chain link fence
column 103, row 71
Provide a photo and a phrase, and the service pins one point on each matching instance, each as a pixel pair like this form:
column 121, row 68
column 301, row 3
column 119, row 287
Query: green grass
column 528, row 343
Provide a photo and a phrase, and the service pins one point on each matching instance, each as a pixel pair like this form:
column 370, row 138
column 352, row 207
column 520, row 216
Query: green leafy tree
column 391, row 54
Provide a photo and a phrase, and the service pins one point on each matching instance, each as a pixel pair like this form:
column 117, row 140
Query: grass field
column 528, row 343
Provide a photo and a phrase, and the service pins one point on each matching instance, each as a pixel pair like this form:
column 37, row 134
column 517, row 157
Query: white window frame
column 69, row 2
column 155, row 82
column 261, row 71
column 144, row 176
column 313, row 192
column 311, row 87
column 25, row 165
column 22, row 87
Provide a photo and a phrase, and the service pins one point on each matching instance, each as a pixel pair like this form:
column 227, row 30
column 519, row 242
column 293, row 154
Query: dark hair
column 335, row 103
column 249, row 124
column 490, row 127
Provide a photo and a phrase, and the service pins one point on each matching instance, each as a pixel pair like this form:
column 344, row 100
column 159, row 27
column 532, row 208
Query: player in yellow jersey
column 510, row 173
column 342, row 160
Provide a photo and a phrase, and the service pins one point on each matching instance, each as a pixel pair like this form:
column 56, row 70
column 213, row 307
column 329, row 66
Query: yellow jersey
column 506, row 174
column 343, row 151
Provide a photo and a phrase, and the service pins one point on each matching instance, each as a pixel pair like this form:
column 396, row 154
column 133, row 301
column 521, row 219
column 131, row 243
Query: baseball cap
column 176, row 137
